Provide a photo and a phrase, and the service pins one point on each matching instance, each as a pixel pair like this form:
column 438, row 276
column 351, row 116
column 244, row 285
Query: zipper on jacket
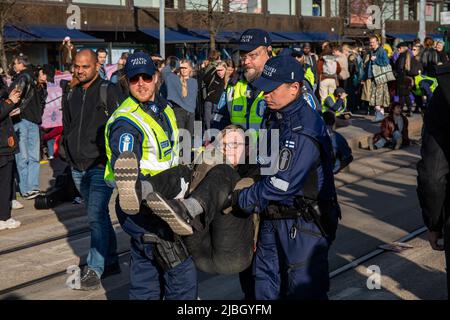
column 81, row 121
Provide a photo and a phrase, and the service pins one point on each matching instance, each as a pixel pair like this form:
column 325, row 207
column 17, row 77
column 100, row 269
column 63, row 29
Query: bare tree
column 386, row 9
column 8, row 14
column 214, row 16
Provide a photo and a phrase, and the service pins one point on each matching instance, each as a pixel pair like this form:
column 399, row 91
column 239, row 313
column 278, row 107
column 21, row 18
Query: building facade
column 120, row 24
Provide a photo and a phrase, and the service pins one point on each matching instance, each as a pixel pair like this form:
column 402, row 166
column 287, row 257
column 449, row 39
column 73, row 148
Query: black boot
column 171, row 211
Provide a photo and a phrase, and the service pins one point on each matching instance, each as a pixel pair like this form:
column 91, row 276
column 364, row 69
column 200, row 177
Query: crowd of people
column 124, row 133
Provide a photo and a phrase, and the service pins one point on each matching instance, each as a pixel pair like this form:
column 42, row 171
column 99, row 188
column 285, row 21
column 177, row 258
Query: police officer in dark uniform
column 297, row 202
column 433, row 169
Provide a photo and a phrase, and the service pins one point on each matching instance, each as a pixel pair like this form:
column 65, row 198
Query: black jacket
column 84, row 120
column 8, row 139
column 214, row 86
column 429, row 58
column 30, row 103
column 433, row 178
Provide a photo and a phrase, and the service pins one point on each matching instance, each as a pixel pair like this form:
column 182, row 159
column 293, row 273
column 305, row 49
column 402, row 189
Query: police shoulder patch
column 285, row 159
column 126, row 142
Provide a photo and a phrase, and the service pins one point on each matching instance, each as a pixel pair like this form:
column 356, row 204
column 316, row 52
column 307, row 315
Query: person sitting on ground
column 337, row 103
column 342, row 151
column 394, row 131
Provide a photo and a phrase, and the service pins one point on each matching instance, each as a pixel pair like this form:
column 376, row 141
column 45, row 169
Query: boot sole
column 126, row 173
column 163, row 210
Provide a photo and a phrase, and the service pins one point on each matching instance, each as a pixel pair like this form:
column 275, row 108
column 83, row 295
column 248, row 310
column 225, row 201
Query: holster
column 304, row 208
column 168, row 254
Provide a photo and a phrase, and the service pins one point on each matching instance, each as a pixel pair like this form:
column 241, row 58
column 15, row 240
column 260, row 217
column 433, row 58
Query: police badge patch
column 285, row 159
column 126, row 142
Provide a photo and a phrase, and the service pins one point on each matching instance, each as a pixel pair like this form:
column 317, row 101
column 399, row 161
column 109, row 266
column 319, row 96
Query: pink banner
column 52, row 116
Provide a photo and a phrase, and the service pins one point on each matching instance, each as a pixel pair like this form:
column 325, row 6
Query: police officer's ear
column 295, row 88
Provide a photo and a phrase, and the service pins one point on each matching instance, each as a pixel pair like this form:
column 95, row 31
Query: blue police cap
column 279, row 70
column 254, row 38
column 297, row 51
column 138, row 63
column 286, row 52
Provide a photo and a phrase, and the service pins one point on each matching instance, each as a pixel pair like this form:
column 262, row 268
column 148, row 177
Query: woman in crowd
column 8, row 148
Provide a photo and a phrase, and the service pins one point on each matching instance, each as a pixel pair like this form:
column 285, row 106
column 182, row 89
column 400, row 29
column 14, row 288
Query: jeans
column 27, row 160
column 185, row 119
column 396, row 135
column 96, row 195
column 50, row 148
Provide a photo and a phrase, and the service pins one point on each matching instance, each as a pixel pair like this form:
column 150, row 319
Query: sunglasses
column 145, row 77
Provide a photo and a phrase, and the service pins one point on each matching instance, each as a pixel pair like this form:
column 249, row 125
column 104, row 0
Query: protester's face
column 143, row 87
column 397, row 110
column 102, row 57
column 185, row 70
column 440, row 47
column 253, row 62
column 230, row 71
column 373, row 43
column 85, row 67
column 402, row 49
column 42, row 77
column 282, row 96
column 306, row 50
column 18, row 66
column 415, row 51
column 221, row 71
column 233, row 146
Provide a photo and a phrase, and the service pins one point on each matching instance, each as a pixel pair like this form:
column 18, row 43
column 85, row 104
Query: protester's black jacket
column 433, row 169
column 214, row 86
column 84, row 120
column 30, row 104
column 8, row 139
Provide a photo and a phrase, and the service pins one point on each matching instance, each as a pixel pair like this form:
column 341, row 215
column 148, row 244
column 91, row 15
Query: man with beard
column 86, row 108
column 245, row 104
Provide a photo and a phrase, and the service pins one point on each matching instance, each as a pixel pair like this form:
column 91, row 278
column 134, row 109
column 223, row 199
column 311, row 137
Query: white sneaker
column 15, row 205
column 9, row 224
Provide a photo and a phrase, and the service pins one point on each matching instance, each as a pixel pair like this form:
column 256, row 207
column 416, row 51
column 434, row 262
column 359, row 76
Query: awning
column 48, row 34
column 232, row 36
column 14, row 34
column 413, row 36
column 175, row 36
column 308, row 36
column 221, row 36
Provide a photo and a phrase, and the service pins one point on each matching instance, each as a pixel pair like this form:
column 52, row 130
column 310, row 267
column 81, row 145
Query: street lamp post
column 422, row 31
column 162, row 34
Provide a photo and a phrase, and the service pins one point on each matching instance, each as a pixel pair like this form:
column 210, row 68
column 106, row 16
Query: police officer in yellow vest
column 336, row 102
column 143, row 131
column 424, row 86
column 245, row 105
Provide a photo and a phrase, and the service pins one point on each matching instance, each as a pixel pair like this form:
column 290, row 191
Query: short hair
column 374, row 37
column 329, row 118
column 101, row 50
column 124, row 55
column 23, row 59
column 428, row 42
column 90, row 52
column 214, row 55
column 337, row 48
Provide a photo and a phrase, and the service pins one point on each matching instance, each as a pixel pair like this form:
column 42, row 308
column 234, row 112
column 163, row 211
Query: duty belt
column 304, row 208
